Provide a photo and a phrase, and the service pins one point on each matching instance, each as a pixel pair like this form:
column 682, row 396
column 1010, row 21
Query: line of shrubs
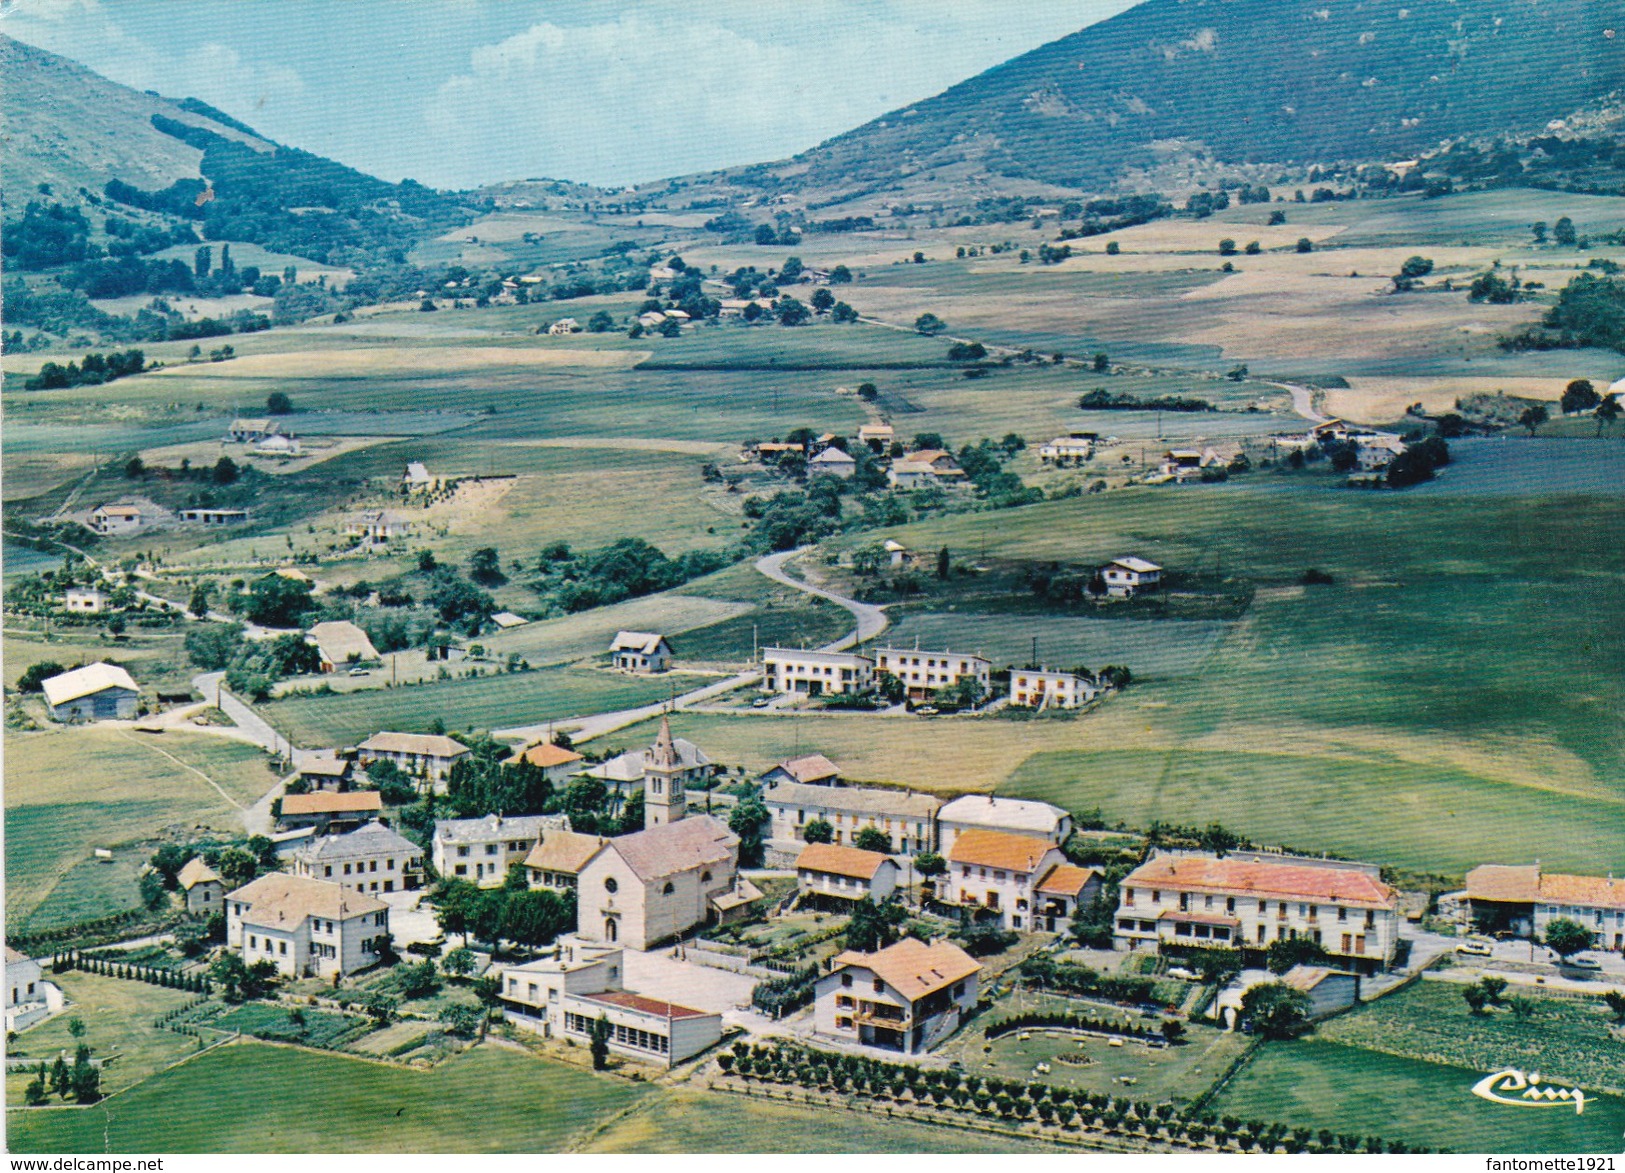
column 1016, row 1101
column 779, row 996
column 1044, row 972
column 153, row 976
column 104, row 930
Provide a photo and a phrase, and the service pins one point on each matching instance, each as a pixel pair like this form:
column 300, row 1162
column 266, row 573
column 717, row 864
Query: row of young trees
column 126, row 971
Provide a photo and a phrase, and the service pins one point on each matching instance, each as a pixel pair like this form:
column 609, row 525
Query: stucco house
column 201, row 887
column 1043, row 688
column 427, row 756
column 554, row 761
column 556, row 861
column 1025, row 880
column 816, row 673
column 329, row 811
column 482, row 850
column 305, row 927
column 642, row 652
column 906, row 818
column 907, row 997
column 988, row 812
column 340, row 645
column 1128, row 576
column 833, row 875
column 371, row 859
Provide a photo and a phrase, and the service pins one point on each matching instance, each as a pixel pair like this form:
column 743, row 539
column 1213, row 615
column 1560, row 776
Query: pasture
column 219, row 1103
column 1151, row 648
column 71, row 790
column 484, row 702
column 118, row 1017
column 1314, row 1083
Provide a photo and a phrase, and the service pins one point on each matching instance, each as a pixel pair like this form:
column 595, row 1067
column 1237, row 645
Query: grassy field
column 1568, row 1040
column 1316, row 1084
column 588, row 635
column 487, row 702
column 1151, row 649
column 118, row 1017
column 701, row 1122
column 71, row 790
column 253, row 1097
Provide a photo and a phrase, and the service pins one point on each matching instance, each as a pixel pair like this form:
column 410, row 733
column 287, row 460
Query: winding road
column 1303, row 400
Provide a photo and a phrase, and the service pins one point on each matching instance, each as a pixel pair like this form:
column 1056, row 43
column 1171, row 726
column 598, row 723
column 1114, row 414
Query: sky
column 461, row 93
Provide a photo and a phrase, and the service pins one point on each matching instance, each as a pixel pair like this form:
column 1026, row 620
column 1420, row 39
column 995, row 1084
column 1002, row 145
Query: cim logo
column 1511, row 1086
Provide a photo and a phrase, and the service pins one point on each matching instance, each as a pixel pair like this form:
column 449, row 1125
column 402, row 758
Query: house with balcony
column 1023, row 880
column 923, row 673
column 906, row 998
column 1129, row 576
column 1043, row 688
column 1245, row 901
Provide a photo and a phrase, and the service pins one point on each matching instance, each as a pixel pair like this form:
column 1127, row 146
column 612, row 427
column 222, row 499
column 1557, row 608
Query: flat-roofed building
column 787, row 670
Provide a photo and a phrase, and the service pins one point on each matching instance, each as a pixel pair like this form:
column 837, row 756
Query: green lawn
column 1150, row 648
column 711, row 1122
column 1316, row 1084
column 71, row 790
column 255, row 1098
column 524, row 698
column 275, row 1023
column 118, row 1017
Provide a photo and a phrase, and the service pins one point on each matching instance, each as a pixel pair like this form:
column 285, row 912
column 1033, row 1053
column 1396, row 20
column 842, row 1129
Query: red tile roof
column 329, row 802
column 637, row 1002
column 840, row 861
column 999, row 849
column 1284, row 879
column 1065, row 880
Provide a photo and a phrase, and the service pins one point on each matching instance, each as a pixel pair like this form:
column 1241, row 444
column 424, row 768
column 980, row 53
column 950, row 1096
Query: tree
column 417, row 981
column 1305, row 245
column 1277, row 217
column 278, row 403
column 168, row 860
column 601, row 322
column 1227, row 247
column 818, row 831
column 1563, row 232
column 746, row 821
column 1476, row 999
column 237, row 866
column 1566, row 937
column 874, row 926
column 599, row 1032
column 1615, row 1001
column 929, row 864
column 1538, row 230
column 198, row 605
column 459, row 963
column 1253, row 248
column 1286, row 952
column 841, row 312
column 1533, row 417
column 1579, row 395
column 840, row 275
column 823, row 300
column 1276, row 1010
column 134, row 468
column 35, row 675
column 225, row 471
column 1219, row 840
column 868, row 392
column 1172, row 1029
column 485, row 567
column 1607, row 411
column 76, row 1028
column 929, row 324
column 1101, row 363
column 872, row 839
column 944, row 563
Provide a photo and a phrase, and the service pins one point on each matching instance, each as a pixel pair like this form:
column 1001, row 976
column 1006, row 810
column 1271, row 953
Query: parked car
column 1473, row 949
column 1183, row 974
column 926, row 711
column 360, row 672
column 761, row 702
column 1585, row 964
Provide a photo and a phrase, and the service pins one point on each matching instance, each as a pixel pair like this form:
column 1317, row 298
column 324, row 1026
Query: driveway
column 410, row 920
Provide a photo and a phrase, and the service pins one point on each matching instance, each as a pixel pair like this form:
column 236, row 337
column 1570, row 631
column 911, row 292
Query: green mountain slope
column 1267, row 81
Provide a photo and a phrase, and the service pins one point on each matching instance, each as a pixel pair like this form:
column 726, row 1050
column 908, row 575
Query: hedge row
column 153, row 976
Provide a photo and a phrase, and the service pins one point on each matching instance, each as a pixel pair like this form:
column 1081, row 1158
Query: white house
column 96, row 692
column 655, row 885
column 1247, row 900
column 816, row 673
column 341, row 644
column 1526, row 899
column 1075, row 448
column 640, row 651
column 201, row 887
column 1043, row 688
column 244, row 431
column 923, row 673
column 427, row 756
column 30, row 998
column 377, row 527
column 906, row 818
column 85, row 601
column 371, row 859
column 202, row 515
column 1024, row 879
column 565, row 995
column 556, row 861
column 116, row 518
column 832, row 461
column 911, row 474
column 876, row 434
column 1375, row 453
column 897, row 554
column 482, row 850
column 564, row 326
column 833, row 873
column 416, row 478
column 907, row 997
column 1128, row 576
column 554, row 761
column 809, row 769
column 987, row 812
column 307, row 928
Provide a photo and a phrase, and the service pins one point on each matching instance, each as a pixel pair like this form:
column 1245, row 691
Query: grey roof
column 857, row 799
column 628, row 767
column 364, row 842
column 494, row 827
column 676, row 847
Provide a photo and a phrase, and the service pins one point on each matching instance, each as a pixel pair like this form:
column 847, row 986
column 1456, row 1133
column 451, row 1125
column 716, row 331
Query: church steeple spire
column 663, row 778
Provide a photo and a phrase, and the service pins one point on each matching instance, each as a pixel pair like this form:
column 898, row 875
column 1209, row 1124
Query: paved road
column 1303, row 401
column 870, row 619
column 254, row 728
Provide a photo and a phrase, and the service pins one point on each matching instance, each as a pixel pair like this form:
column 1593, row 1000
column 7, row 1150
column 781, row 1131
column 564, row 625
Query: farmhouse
column 374, row 527
column 906, row 818
column 482, row 850
column 1129, row 576
column 873, row 434
column 830, row 874
column 911, row 474
column 923, row 673
column 329, row 811
column 306, row 928
column 1042, row 688
column 1525, row 900
column 655, row 885
column 565, row 995
column 199, row 515
column 816, row 673
column 96, row 692
column 201, row 886
column 1375, row 453
column 1247, row 900
column 810, row 770
column 372, row 858
column 85, row 601
column 556, row 861
column 117, row 518
column 554, row 761
column 1024, row 879
column 832, row 461
column 429, row 756
column 986, row 812
column 642, row 652
column 341, row 644
column 1072, row 449
column 907, row 997
column 246, row 431
column 326, row 772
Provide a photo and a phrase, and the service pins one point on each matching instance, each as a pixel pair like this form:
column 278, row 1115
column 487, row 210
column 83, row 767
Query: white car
column 1183, row 974
column 1589, row 964
column 1474, row 949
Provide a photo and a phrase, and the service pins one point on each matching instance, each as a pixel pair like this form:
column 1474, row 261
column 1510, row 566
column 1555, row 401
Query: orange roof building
column 906, row 997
